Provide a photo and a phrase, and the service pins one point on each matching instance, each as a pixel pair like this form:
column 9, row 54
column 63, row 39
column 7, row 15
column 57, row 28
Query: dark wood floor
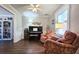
column 22, row 47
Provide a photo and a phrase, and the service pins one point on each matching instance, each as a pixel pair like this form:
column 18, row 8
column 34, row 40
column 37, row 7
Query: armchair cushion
column 62, row 40
column 68, row 38
column 61, row 44
column 54, row 38
column 69, row 35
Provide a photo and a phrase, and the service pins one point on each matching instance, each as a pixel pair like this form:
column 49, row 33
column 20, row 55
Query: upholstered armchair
column 68, row 44
column 47, row 35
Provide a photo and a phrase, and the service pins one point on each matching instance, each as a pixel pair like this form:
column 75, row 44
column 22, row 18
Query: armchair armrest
column 67, row 45
column 54, row 38
column 60, row 44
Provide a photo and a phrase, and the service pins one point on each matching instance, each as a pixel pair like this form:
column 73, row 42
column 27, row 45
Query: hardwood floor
column 22, row 47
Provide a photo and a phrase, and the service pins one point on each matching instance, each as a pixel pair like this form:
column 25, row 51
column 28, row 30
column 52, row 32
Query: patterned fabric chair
column 47, row 35
column 66, row 45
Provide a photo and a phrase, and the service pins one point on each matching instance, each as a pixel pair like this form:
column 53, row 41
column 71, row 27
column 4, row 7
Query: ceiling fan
column 34, row 7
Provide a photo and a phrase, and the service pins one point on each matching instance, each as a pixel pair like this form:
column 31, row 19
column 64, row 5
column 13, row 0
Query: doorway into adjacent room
column 6, row 26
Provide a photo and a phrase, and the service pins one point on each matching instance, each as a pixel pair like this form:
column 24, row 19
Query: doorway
column 6, row 27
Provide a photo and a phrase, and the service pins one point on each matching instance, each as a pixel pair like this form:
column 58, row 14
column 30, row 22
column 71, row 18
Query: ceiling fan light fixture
column 34, row 7
column 34, row 10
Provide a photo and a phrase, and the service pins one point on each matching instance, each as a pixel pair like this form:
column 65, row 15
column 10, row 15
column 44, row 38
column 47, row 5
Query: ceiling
column 16, row 6
column 46, row 9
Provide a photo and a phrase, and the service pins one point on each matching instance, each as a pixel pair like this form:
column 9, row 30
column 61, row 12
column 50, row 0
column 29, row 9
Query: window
column 61, row 24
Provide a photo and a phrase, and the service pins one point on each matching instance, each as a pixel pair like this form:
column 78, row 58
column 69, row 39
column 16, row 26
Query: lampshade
column 59, row 25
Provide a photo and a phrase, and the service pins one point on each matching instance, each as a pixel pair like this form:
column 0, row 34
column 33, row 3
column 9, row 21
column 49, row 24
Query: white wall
column 74, row 18
column 42, row 20
column 4, row 11
column 17, row 22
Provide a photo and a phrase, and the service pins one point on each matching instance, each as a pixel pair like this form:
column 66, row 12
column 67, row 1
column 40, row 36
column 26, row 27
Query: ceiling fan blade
column 37, row 5
column 32, row 5
column 30, row 8
column 39, row 9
